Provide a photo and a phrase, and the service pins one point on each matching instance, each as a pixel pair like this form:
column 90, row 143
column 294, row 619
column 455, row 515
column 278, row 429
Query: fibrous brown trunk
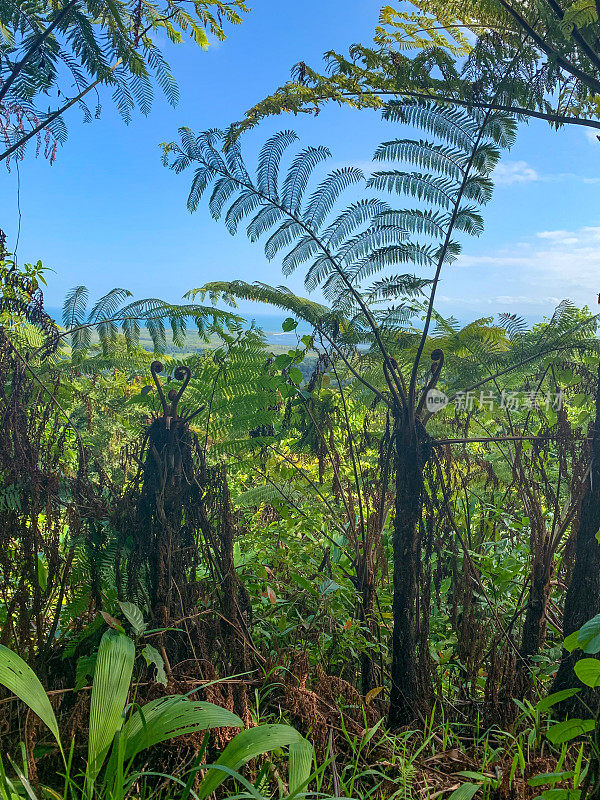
column 535, row 624
column 582, row 601
column 366, row 585
column 410, row 457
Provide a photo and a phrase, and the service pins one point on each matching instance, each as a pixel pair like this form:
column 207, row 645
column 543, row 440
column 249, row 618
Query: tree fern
column 112, row 311
column 344, row 247
column 352, row 252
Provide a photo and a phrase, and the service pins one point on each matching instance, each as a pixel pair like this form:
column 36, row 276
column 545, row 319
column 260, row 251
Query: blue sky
column 107, row 213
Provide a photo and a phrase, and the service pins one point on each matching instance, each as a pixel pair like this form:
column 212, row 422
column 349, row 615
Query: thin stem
column 557, row 119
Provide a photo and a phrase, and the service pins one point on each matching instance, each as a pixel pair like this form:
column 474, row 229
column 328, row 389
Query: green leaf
column 112, row 677
column 549, row 777
column 295, row 374
column 42, row 572
column 167, row 717
column 589, row 636
column 557, row 697
column 134, row 617
column 588, row 671
column 282, row 361
column 152, row 656
column 246, row 745
column 569, row 729
column 561, row 794
column 289, row 324
column 300, row 766
column 465, row 792
column 21, row 680
column 84, row 671
column 571, row 642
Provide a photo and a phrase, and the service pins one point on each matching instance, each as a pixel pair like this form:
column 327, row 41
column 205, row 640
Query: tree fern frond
column 452, row 125
column 415, row 220
column 305, row 249
column 222, row 191
column 288, row 232
column 514, row 325
column 478, row 188
column 269, row 160
column 352, row 218
column 265, row 219
column 327, row 193
column 296, row 180
column 108, row 305
column 395, row 286
column 74, row 306
column 425, row 155
column 409, row 253
column 435, row 190
column 246, row 203
column 202, row 177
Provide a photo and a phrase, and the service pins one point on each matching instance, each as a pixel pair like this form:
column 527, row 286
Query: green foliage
column 22, row 681
column 343, row 248
column 111, row 310
column 541, row 62
column 115, row 738
column 45, row 48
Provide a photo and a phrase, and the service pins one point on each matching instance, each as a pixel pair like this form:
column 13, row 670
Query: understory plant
column 119, row 731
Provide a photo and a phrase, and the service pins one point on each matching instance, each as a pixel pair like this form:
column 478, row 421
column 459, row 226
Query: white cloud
column 510, row 172
column 555, row 264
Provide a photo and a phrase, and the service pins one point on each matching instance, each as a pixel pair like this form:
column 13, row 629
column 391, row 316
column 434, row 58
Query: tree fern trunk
column 366, row 584
column 535, row 625
column 410, row 459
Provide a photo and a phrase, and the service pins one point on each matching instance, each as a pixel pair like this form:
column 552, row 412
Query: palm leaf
column 21, row 680
column 247, row 745
column 112, row 677
column 167, row 717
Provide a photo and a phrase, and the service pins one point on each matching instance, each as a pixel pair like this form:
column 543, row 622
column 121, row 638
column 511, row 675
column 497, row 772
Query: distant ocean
column 270, row 324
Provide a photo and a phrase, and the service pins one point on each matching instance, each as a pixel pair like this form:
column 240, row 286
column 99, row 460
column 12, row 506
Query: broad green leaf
column 571, row 642
column 246, row 745
column 84, row 671
column 546, row 703
column 282, row 361
column 167, row 717
column 300, row 765
column 589, row 636
column 295, row 375
column 465, row 792
column 112, row 677
column 569, row 729
column 561, row 794
column 21, row 680
column 549, row 777
column 289, row 324
column 152, row 656
column 134, row 617
column 588, row 671
column 42, row 573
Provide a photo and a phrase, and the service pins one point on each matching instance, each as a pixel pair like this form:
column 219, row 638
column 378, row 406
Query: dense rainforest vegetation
column 363, row 565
